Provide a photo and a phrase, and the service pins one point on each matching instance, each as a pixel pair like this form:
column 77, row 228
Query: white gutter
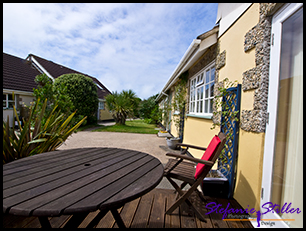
column 10, row 91
column 194, row 45
column 41, row 67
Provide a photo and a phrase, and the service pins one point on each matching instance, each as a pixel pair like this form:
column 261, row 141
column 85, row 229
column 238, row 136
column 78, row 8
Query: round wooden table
column 78, row 181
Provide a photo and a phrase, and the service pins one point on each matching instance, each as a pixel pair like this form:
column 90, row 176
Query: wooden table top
column 77, row 181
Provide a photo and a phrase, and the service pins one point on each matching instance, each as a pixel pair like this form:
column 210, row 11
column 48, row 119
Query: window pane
column 4, row 97
column 206, row 91
column 206, row 106
column 211, row 106
column 201, row 106
column 4, row 103
column 201, row 94
column 192, row 84
column 207, row 76
column 212, row 89
column 198, row 106
column 212, row 77
column 10, row 97
column 287, row 176
column 10, row 104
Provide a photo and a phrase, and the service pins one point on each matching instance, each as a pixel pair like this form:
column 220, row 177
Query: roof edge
column 186, row 58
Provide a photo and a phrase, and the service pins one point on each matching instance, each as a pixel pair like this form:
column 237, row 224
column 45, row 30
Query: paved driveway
column 148, row 143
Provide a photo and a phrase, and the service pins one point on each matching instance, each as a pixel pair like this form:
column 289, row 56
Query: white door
column 282, row 183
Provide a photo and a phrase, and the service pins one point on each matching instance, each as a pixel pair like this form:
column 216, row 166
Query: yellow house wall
column 197, row 132
column 251, row 145
column 173, row 127
column 105, row 115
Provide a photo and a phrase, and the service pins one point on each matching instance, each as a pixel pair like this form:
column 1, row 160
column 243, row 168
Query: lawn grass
column 134, row 126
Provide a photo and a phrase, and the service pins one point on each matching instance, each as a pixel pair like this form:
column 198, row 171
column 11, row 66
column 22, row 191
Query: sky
column 126, row 46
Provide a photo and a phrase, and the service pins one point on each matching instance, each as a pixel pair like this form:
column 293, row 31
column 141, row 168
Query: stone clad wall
column 257, row 78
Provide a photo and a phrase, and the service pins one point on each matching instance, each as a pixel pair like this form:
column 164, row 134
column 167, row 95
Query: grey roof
column 19, row 74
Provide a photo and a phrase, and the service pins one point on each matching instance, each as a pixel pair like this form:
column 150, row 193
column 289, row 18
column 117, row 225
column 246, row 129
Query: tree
column 149, row 110
column 83, row 94
column 121, row 105
column 54, row 95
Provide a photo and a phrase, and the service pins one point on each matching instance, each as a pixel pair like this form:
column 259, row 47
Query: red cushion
column 208, row 155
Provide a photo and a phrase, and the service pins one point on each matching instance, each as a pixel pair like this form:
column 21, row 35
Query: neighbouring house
column 18, row 78
column 260, row 45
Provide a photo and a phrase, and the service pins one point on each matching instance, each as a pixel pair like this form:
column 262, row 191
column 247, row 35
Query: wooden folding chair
column 191, row 174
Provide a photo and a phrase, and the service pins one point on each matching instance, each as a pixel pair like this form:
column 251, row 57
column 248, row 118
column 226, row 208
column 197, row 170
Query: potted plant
column 215, row 184
column 172, row 142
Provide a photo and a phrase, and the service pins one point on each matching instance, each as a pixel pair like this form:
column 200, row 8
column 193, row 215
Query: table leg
column 118, row 218
column 44, row 222
column 76, row 220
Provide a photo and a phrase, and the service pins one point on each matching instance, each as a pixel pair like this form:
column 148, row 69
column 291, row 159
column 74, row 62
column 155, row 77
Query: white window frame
column 201, row 94
column 101, row 105
column 270, row 134
column 7, row 101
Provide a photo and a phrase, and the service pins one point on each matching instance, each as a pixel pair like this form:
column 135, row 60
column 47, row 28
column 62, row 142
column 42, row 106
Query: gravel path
column 148, row 143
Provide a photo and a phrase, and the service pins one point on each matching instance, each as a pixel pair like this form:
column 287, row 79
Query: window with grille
column 202, row 91
column 8, row 101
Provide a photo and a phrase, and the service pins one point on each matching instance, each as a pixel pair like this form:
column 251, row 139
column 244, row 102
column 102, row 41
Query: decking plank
column 231, row 224
column 147, row 211
column 143, row 212
column 172, row 220
column 200, row 205
column 187, row 217
column 216, row 218
column 158, row 210
column 128, row 212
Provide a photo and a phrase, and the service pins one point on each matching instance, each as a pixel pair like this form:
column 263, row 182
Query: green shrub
column 82, row 91
column 54, row 96
column 149, row 110
column 34, row 137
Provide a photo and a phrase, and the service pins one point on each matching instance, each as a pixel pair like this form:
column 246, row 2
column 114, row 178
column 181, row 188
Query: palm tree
column 121, row 105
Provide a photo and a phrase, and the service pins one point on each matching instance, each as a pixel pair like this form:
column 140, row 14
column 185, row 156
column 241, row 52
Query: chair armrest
column 191, row 146
column 191, row 158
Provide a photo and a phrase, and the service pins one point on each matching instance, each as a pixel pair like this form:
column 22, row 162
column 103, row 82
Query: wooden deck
column 145, row 212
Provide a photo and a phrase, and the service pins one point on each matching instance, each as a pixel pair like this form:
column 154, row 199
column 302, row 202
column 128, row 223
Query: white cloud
column 125, row 46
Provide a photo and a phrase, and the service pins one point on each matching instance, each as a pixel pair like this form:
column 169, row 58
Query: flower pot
column 215, row 185
column 172, row 142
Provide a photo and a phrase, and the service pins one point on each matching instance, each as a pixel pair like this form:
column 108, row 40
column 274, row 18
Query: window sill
column 209, row 117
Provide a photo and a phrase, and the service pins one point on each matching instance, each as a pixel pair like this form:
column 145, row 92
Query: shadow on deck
column 147, row 211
